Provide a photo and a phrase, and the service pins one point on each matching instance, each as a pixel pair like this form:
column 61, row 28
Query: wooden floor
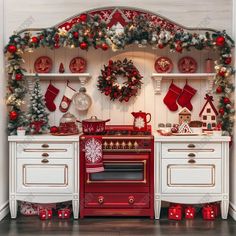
column 116, row 227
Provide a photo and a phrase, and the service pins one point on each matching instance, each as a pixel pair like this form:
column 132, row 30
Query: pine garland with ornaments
column 92, row 31
column 107, row 81
column 37, row 115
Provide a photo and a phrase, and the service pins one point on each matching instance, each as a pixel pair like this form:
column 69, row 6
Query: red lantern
column 228, row 60
column 190, row 212
column 11, row 48
column 220, row 40
column 34, row 40
column 222, row 111
column 226, row 100
column 83, row 17
column 104, row 46
column 64, row 213
column 54, row 129
column 208, row 213
column 13, row 115
column 18, row 76
column 219, row 89
column 83, row 46
column 45, row 214
column 76, row 35
column 175, row 212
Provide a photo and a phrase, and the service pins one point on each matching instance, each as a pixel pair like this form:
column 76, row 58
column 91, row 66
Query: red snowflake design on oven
column 93, row 150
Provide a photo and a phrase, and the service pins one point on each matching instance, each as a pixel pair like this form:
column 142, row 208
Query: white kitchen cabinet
column 192, row 170
column 43, row 169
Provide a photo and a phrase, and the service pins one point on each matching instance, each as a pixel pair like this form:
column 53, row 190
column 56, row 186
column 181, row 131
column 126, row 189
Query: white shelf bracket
column 157, row 80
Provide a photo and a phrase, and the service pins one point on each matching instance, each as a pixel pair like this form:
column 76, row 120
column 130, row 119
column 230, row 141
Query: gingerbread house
column 208, row 114
column 184, row 115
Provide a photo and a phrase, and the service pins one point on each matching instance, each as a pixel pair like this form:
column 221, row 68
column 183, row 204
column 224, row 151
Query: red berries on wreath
column 107, row 81
column 220, row 41
column 13, row 115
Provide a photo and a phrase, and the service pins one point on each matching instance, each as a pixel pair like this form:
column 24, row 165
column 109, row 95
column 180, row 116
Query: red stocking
column 171, row 97
column 67, row 98
column 50, row 95
column 186, row 96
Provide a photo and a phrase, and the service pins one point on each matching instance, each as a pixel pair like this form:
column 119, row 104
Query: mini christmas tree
column 38, row 117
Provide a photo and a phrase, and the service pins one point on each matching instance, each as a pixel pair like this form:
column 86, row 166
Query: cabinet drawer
column 179, row 176
column 33, row 176
column 41, row 150
column 111, row 200
column 186, row 150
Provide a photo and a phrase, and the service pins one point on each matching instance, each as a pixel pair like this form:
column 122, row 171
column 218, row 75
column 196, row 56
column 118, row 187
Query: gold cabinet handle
column 45, row 160
column 191, row 145
column 45, row 145
column 45, row 154
column 100, row 199
column 191, row 161
column 191, row 155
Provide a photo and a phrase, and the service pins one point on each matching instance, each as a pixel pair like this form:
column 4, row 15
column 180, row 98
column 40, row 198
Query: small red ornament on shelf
column 219, row 89
column 53, row 129
column 64, row 213
column 61, row 68
column 104, row 46
column 83, row 46
column 208, row 212
column 45, row 214
column 220, row 40
column 175, row 212
column 12, row 48
column 18, row 76
column 13, row 115
column 190, row 212
column 34, row 39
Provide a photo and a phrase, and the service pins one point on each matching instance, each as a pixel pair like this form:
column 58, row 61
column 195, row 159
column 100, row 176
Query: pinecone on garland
column 38, row 117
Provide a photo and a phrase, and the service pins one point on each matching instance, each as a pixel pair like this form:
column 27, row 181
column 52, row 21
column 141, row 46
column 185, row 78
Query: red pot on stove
column 93, row 125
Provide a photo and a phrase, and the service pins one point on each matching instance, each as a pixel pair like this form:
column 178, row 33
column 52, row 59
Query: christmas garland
column 92, row 31
column 107, row 81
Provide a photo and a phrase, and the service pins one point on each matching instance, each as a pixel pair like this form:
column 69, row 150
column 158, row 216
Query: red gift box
column 216, row 208
column 190, row 212
column 175, row 212
column 208, row 213
column 45, row 214
column 64, row 213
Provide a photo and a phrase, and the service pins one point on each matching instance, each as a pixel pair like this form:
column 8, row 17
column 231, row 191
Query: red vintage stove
column 126, row 186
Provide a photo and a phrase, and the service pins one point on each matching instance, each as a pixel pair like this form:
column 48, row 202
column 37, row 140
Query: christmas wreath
column 107, row 81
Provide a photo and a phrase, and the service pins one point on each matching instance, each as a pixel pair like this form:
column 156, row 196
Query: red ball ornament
column 13, row 115
column 219, row 89
column 11, row 48
column 221, row 73
column 226, row 100
column 220, row 40
column 228, row 60
column 104, row 46
column 18, row 76
column 76, row 35
column 222, row 111
column 83, row 46
column 160, row 46
column 83, row 17
column 53, row 129
column 34, row 40
column 178, row 48
column 56, row 45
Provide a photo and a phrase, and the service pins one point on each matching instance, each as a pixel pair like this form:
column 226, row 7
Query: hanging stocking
column 171, row 97
column 186, row 96
column 67, row 98
column 50, row 95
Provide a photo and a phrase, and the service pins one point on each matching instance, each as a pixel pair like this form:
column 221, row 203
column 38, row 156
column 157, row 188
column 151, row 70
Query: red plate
column 187, row 65
column 78, row 65
column 163, row 65
column 43, row 65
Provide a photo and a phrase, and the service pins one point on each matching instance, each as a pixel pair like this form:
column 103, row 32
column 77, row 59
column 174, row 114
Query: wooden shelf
column 158, row 77
column 81, row 77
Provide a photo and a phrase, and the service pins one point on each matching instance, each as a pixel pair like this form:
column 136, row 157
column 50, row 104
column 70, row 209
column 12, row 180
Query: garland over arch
column 99, row 29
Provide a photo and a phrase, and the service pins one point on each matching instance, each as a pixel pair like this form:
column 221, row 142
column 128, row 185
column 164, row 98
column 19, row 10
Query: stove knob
column 105, row 145
column 117, row 145
column 111, row 145
column 100, row 200
column 135, row 144
column 129, row 145
column 123, row 144
column 131, row 200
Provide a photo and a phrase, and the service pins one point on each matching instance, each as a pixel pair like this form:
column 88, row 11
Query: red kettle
column 140, row 120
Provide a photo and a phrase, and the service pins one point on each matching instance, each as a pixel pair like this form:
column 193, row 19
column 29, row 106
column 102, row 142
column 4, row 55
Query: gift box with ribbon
column 64, row 213
column 175, row 212
column 45, row 214
column 208, row 212
column 189, row 212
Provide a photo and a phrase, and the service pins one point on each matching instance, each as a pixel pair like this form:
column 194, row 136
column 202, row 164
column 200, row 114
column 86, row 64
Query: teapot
column 140, row 120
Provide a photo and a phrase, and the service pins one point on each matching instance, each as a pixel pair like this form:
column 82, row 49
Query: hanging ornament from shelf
column 61, row 68
column 82, row 100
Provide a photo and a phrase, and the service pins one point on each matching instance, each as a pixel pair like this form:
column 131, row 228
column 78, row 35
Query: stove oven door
column 121, row 170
